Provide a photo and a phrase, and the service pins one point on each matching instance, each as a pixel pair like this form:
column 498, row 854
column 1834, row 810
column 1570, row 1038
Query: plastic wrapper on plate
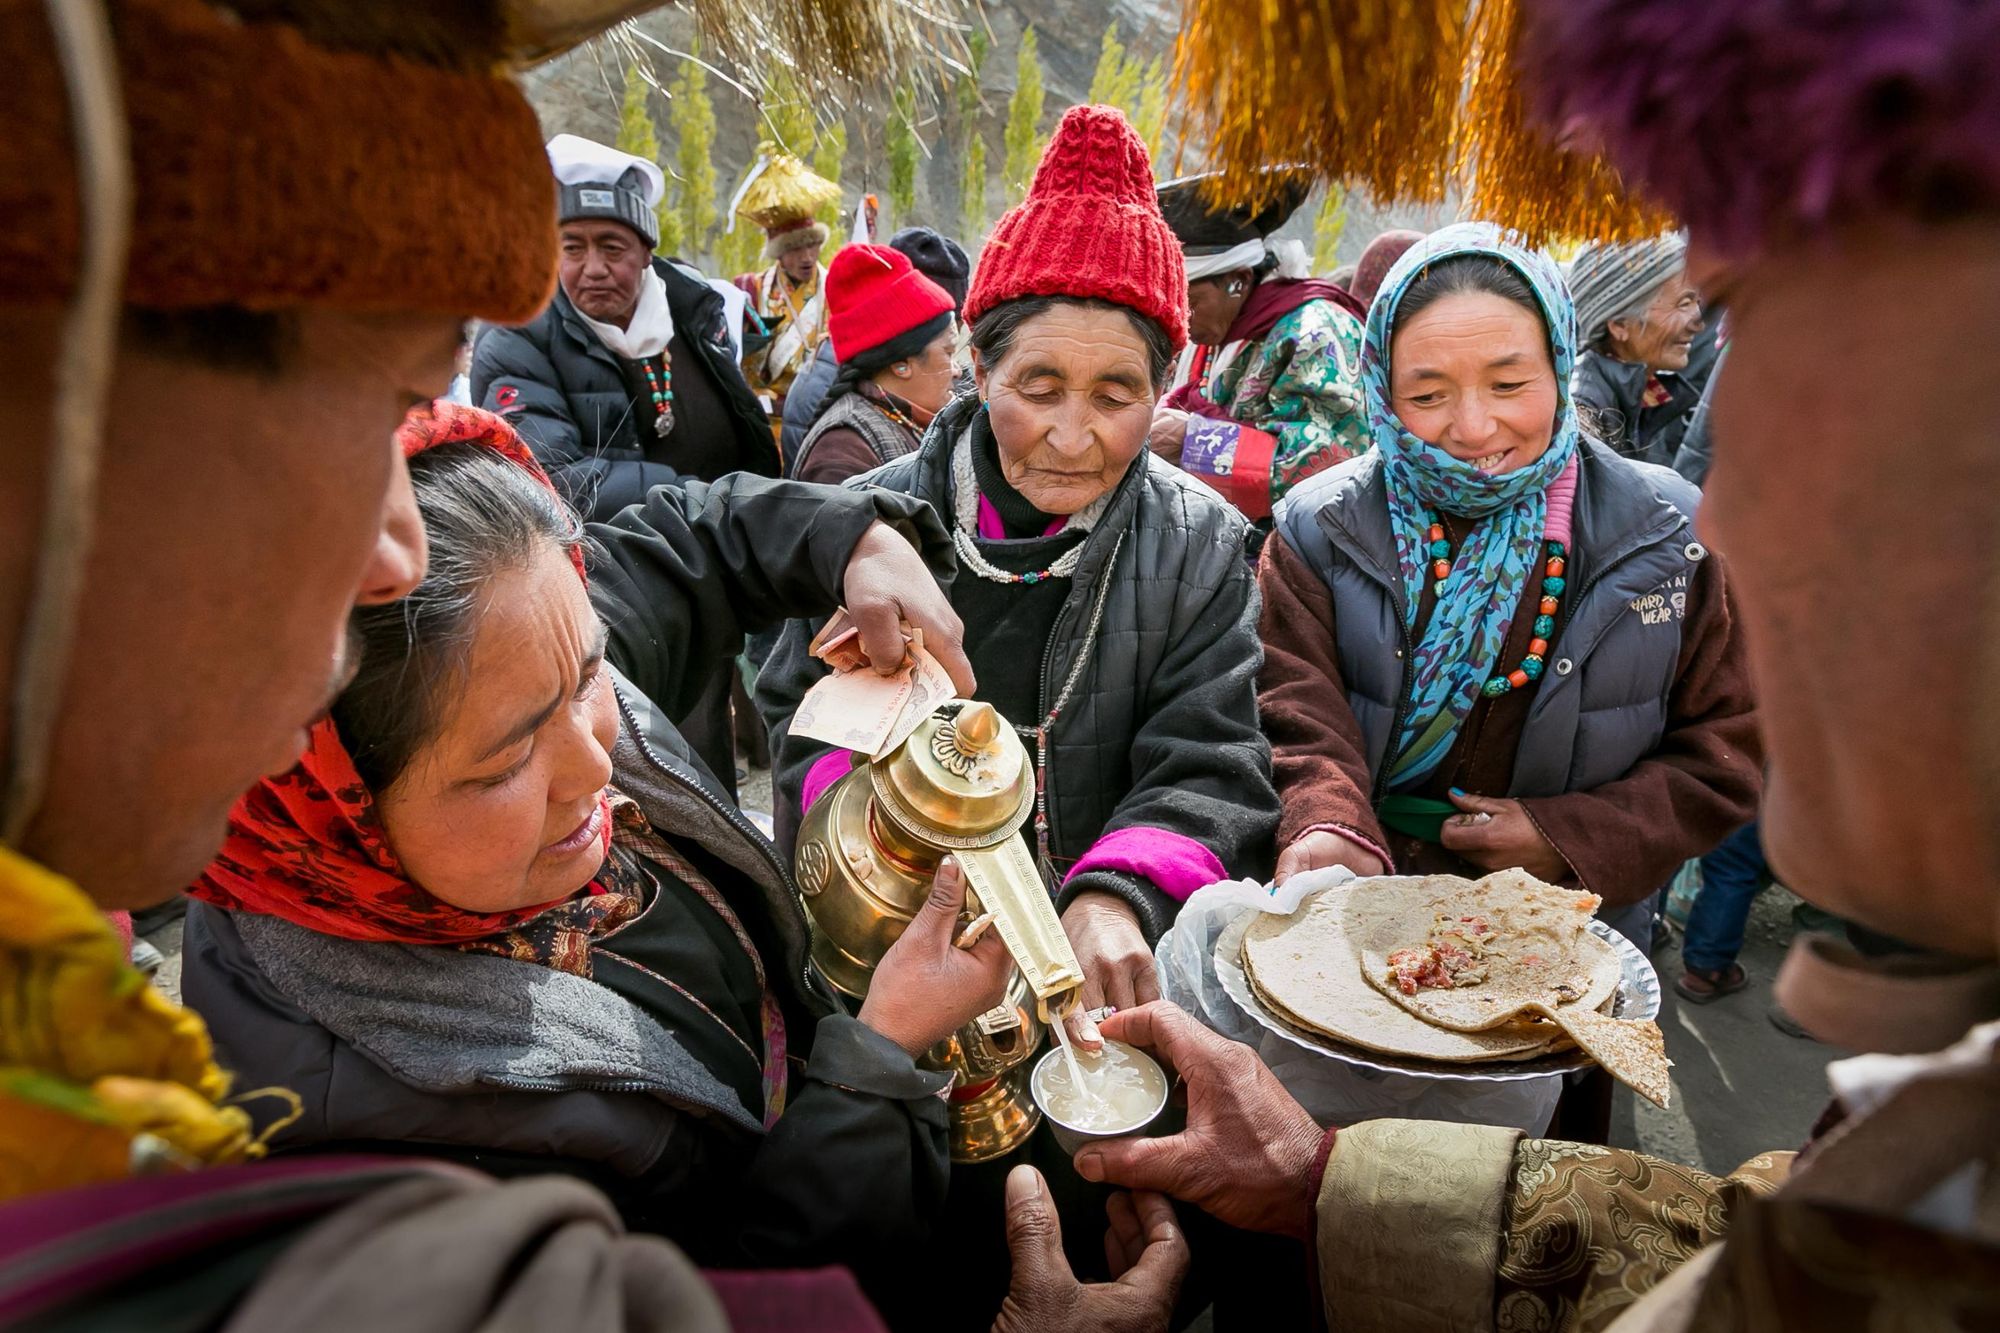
column 1200, row 971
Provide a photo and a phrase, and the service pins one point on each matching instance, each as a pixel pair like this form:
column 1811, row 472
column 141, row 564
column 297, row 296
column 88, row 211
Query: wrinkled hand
column 1322, row 848
column 1118, row 968
column 1168, row 435
column 926, row 987
column 1144, row 1247
column 1247, row 1153
column 1498, row 835
column 886, row 586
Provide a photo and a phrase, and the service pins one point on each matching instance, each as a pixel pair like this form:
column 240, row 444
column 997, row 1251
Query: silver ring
column 1100, row 1013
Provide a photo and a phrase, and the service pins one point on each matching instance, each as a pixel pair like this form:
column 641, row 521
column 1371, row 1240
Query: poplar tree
column 1328, row 226
column 1023, row 137
column 972, row 197
column 902, row 150
column 693, row 118
column 1115, row 82
column 740, row 250
column 829, row 155
column 788, row 114
column 972, row 178
column 1150, row 122
column 637, row 136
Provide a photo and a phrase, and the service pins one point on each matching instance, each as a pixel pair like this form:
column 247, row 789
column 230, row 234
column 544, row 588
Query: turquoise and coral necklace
column 660, row 383
column 1553, row 584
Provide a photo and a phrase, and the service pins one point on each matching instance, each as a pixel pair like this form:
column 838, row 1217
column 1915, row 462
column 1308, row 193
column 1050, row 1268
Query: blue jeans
column 1731, row 878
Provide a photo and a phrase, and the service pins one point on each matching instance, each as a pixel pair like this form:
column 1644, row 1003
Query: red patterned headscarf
column 309, row 846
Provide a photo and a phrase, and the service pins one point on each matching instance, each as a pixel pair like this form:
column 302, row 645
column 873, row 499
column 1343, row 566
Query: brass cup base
column 995, row 1122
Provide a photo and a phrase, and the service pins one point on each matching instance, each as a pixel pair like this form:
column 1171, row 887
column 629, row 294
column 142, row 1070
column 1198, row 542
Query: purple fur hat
column 1757, row 120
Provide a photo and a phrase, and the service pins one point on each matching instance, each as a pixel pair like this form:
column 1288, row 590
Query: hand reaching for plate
column 1322, row 848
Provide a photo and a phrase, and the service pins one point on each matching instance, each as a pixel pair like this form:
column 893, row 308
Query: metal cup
column 1070, row 1136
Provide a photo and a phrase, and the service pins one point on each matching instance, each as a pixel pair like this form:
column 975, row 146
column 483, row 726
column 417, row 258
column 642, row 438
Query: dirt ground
column 1741, row 1086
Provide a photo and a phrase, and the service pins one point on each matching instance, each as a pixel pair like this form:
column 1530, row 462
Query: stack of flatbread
column 1455, row 971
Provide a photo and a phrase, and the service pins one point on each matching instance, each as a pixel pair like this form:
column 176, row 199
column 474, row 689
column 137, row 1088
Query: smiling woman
column 496, row 907
column 1638, row 316
column 1492, row 643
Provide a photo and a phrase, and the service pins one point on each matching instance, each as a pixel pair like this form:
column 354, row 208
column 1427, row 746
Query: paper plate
column 1638, row 997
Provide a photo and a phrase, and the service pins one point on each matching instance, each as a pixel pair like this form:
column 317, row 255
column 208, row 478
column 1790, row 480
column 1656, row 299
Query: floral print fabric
column 1300, row 383
column 1590, row 1230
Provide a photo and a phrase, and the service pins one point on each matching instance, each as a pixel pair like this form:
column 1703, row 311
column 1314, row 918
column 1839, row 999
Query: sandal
column 1699, row 987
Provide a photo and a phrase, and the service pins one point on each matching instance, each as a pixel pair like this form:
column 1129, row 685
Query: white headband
column 1247, row 255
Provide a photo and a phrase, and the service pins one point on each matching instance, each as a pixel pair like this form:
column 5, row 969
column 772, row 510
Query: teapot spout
column 1004, row 880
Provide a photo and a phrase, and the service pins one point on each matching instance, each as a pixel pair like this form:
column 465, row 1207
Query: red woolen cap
column 874, row 295
column 1090, row 227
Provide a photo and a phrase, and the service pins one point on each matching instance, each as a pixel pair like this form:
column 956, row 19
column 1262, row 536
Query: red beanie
column 873, row 295
column 1090, row 227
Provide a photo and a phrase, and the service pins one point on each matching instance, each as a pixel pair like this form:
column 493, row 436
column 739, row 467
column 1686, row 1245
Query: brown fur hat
column 271, row 171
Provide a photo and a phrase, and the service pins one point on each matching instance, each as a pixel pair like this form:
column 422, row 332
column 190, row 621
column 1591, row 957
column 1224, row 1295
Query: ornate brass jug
column 963, row 785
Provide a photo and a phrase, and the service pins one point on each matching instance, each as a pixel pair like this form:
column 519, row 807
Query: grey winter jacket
column 803, row 401
column 1162, row 731
column 514, row 1066
column 1614, row 390
column 1602, row 705
column 562, row 389
column 853, row 411
column 1697, row 452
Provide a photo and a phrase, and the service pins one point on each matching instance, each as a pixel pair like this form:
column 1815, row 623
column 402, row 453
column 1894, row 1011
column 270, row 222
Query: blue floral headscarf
column 1463, row 640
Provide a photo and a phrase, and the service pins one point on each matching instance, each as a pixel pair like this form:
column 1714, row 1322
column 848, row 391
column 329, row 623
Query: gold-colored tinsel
column 878, row 43
column 1414, row 101
column 1359, row 90
column 1514, row 172
column 783, row 190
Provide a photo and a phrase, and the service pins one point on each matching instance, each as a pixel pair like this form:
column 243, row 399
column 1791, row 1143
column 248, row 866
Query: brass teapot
column 961, row 785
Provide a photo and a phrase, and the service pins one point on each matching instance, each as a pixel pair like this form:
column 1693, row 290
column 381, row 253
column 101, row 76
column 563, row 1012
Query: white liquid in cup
column 1113, row 1091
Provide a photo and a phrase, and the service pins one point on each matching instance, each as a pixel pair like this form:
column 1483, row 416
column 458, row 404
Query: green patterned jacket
column 1293, row 403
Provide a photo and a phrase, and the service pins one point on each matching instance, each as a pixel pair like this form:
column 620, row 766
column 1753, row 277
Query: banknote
column 870, row 713
column 930, row 685
column 838, row 642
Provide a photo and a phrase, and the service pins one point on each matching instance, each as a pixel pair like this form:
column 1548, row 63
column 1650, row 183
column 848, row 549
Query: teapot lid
column 962, row 779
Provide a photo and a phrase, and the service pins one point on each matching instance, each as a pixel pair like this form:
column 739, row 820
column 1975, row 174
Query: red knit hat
column 873, row 295
column 1090, row 227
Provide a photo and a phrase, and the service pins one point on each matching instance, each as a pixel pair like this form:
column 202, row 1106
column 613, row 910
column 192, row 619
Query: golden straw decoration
column 1355, row 90
column 1514, row 172
column 1415, row 101
column 822, row 42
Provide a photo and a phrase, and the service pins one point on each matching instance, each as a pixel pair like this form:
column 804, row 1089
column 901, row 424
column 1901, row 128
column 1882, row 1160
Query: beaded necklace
column 1041, row 733
column 1553, row 584
column 1062, row 567
column 965, row 504
column 889, row 411
column 661, row 385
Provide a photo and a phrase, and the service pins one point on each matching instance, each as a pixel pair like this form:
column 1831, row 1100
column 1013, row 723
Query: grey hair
column 483, row 516
column 993, row 333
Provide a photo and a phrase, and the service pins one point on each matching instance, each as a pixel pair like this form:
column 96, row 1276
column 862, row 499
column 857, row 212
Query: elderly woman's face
column 925, row 379
column 1471, row 374
column 500, row 810
column 1071, row 402
column 1214, row 303
column 1660, row 337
